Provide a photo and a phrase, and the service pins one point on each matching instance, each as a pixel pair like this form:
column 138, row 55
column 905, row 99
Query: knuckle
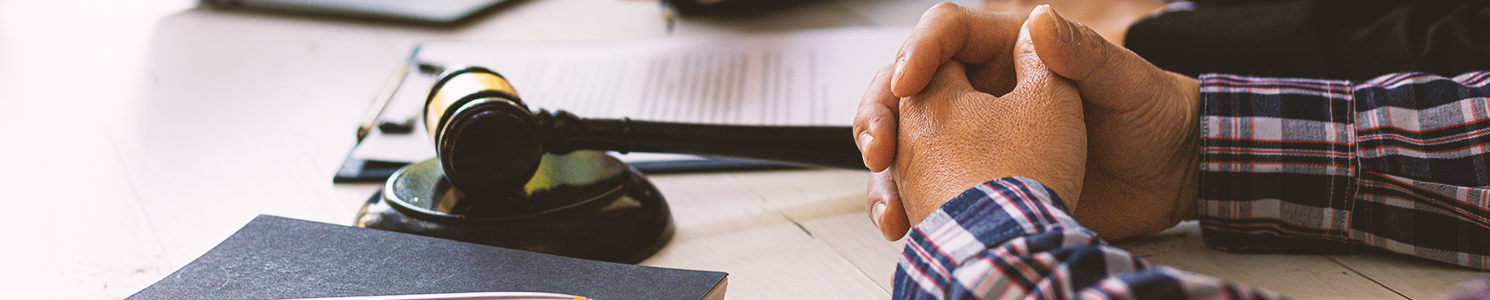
column 944, row 10
column 945, row 7
column 862, row 121
column 881, row 80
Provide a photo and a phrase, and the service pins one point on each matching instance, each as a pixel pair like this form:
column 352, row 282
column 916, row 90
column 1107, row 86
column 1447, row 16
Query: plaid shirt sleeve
column 1316, row 166
column 1288, row 165
column 1013, row 238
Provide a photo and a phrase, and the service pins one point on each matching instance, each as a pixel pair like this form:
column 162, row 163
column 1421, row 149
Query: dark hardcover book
column 275, row 258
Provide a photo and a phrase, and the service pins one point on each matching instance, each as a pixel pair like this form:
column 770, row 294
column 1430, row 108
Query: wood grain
column 1411, row 277
column 731, row 222
column 1297, row 276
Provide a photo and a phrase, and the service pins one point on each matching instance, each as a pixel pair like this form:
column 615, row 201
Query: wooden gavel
column 489, row 143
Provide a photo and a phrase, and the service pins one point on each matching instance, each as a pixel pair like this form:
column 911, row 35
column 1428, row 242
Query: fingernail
column 876, row 212
column 899, row 71
column 1063, row 27
column 864, row 140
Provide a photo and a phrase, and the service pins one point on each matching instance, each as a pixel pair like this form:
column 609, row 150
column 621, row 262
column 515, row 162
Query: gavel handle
column 829, row 146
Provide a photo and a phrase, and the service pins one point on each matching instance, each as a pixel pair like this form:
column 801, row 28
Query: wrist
column 1185, row 206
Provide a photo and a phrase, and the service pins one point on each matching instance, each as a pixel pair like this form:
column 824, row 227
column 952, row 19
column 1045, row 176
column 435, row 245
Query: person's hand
column 952, row 137
column 980, row 40
column 1142, row 168
column 1109, row 18
column 1142, row 124
column 989, row 39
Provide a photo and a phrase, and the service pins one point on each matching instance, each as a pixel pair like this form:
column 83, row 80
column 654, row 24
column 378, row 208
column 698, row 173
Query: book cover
column 275, row 257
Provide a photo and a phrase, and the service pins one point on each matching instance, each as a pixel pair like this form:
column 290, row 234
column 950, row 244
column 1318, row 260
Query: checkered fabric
column 1315, row 166
column 1289, row 165
column 1013, row 238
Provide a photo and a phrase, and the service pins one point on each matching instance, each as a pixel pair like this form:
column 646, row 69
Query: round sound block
column 584, row 204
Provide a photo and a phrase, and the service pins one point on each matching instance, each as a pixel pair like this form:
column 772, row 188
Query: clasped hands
column 976, row 95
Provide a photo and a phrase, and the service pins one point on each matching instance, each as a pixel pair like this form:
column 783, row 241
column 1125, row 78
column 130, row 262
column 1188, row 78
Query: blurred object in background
column 425, row 12
column 729, row 7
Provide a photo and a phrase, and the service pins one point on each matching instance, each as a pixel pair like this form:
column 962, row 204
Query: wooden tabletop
column 139, row 134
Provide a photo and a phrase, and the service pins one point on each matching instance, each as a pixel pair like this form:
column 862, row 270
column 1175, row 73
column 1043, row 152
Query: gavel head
column 486, row 139
column 483, row 188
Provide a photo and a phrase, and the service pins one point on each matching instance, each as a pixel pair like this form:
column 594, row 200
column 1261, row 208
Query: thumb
column 885, row 207
column 1098, row 67
column 1029, row 70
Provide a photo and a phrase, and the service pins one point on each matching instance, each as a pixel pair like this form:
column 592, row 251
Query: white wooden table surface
column 136, row 135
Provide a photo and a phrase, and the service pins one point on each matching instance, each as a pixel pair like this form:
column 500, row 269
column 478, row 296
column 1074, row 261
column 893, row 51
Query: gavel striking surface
column 584, row 204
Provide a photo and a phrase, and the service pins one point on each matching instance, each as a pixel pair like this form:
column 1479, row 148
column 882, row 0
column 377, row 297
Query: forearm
column 1266, row 142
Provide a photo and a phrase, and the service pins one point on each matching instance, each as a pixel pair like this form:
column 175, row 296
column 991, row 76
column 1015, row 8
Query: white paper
column 794, row 78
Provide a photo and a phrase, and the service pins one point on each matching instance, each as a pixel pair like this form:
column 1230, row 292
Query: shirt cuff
column 988, row 215
column 1277, row 163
